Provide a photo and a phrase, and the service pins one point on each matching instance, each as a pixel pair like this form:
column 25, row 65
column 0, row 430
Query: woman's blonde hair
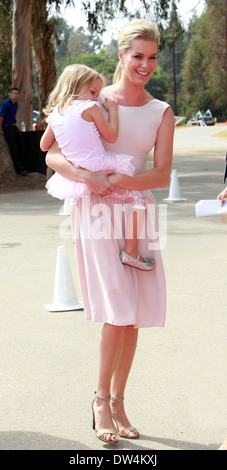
column 138, row 28
column 74, row 81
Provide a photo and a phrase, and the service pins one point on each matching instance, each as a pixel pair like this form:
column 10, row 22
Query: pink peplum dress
column 112, row 292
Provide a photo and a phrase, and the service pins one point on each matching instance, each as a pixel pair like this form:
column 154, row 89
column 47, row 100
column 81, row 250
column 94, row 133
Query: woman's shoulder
column 160, row 104
column 154, row 101
column 161, row 112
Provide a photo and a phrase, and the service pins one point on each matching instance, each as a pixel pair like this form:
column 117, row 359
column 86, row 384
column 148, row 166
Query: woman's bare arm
column 47, row 139
column 158, row 176
column 97, row 182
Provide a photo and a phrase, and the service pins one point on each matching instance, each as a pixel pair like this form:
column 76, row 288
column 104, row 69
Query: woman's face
column 140, row 61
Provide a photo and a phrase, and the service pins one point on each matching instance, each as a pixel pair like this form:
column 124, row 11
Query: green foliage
column 60, row 40
column 5, row 48
column 158, row 85
column 165, row 60
column 103, row 62
column 199, row 52
column 81, row 43
column 174, row 29
column 204, row 74
column 101, row 11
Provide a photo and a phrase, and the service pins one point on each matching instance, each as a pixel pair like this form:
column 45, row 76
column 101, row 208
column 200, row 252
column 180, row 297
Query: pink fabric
column 113, row 292
column 81, row 144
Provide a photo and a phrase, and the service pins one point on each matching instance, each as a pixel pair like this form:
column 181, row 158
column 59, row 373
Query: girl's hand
column 109, row 103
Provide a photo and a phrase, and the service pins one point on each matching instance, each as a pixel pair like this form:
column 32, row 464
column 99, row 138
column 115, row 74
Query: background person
column 11, row 132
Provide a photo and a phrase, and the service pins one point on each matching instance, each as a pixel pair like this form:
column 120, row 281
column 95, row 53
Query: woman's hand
column 99, row 183
column 118, row 180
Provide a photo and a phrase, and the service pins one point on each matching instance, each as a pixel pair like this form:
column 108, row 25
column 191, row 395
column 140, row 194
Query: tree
column 5, row 48
column 7, row 171
column 27, row 13
column 174, row 31
column 21, row 59
column 60, row 41
column 104, row 11
column 103, row 62
column 43, row 52
column 158, row 84
column 165, row 60
column 81, row 43
column 204, row 74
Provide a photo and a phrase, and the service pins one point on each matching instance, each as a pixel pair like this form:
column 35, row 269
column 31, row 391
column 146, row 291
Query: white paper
column 210, row 207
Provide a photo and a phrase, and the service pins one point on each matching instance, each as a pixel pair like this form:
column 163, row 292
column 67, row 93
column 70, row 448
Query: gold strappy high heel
column 124, row 432
column 99, row 434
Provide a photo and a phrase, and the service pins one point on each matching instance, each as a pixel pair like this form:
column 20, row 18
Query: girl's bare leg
column 134, row 225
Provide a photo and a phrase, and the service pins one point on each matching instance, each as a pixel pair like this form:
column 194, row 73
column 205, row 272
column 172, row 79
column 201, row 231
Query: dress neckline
column 142, row 106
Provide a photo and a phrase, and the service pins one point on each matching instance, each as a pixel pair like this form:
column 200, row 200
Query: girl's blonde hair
column 74, row 81
column 138, row 28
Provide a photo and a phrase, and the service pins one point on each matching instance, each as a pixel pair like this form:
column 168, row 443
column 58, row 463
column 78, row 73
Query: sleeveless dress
column 81, row 144
column 112, row 292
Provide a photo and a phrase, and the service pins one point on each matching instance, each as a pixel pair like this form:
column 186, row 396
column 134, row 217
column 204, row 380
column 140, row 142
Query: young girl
column 76, row 122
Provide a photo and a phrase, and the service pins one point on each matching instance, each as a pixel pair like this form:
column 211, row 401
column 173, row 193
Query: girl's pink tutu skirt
column 60, row 187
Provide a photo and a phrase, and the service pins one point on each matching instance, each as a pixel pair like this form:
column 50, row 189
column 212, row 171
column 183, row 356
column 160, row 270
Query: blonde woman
column 122, row 298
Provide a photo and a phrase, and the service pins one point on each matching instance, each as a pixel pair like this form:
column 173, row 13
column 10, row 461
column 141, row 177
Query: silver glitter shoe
column 147, row 265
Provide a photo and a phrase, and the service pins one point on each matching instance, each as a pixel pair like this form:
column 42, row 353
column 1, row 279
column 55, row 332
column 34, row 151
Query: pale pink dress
column 112, row 292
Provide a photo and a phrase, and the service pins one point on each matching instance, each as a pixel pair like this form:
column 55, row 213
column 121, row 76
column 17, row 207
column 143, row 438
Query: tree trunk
column 22, row 70
column 43, row 54
column 174, row 80
column 7, row 172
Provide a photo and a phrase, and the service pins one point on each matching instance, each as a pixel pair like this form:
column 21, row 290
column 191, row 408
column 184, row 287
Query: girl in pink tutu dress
column 76, row 122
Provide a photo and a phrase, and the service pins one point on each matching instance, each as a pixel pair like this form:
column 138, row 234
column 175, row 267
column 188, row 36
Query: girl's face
column 93, row 92
column 140, row 61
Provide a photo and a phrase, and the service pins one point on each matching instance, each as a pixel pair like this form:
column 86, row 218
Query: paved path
column 176, row 394
column 203, row 138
